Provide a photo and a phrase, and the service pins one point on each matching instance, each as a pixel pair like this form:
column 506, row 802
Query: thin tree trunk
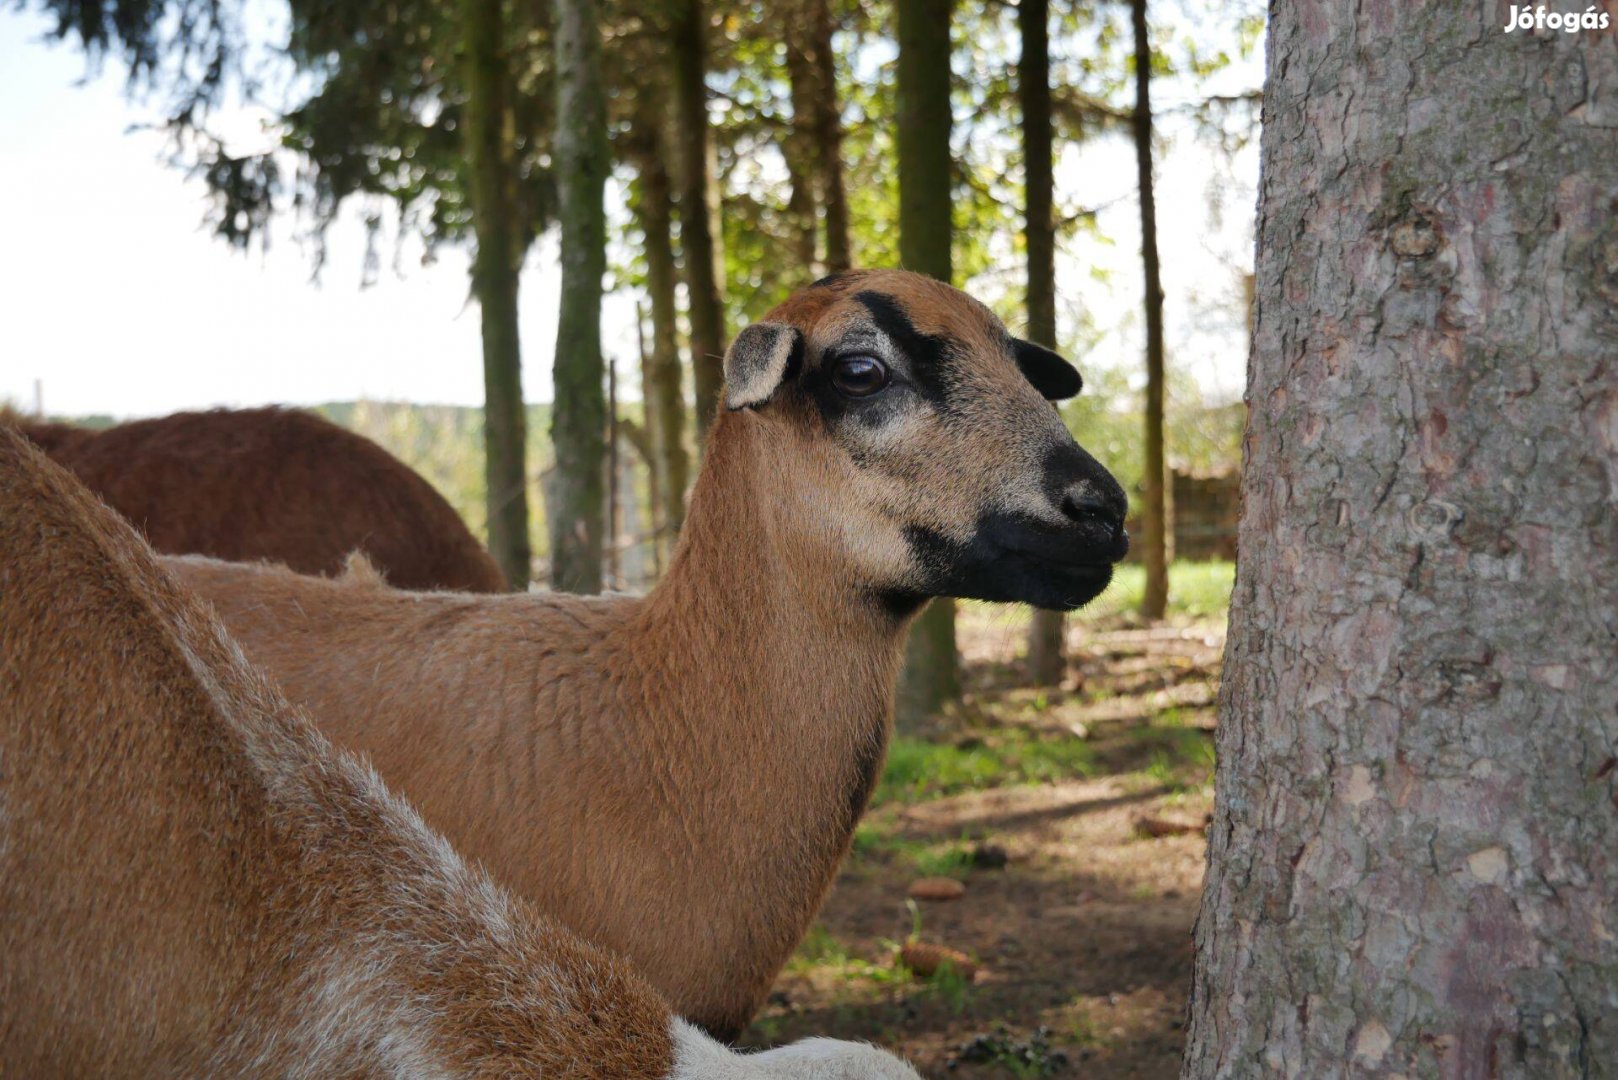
column 613, row 576
column 931, row 674
column 495, row 269
column 801, row 153
column 698, row 210
column 1414, row 857
column 665, row 399
column 1046, row 661
column 648, row 442
column 828, row 128
column 1155, row 511
column 579, row 417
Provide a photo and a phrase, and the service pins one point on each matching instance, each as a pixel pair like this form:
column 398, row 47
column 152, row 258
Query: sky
column 115, row 299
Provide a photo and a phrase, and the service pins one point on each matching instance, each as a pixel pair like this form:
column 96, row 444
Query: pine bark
column 490, row 155
column 577, row 499
column 1154, row 511
column 818, row 128
column 1414, row 860
column 1046, row 662
column 698, row 206
column 931, row 673
column 664, row 396
column 802, row 156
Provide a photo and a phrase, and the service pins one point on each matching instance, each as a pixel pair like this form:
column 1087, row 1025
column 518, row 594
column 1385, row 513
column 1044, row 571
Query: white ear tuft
column 759, row 360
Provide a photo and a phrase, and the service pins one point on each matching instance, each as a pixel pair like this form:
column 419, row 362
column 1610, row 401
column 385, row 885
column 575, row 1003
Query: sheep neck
column 797, row 665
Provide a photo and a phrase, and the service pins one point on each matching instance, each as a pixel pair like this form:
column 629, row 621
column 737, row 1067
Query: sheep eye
column 859, row 376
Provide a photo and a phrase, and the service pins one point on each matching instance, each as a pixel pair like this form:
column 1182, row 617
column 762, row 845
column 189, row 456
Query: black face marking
column 1010, row 559
column 930, row 359
column 794, row 359
column 1068, row 463
column 1052, row 376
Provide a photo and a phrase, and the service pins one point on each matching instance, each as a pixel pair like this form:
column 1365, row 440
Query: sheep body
column 194, row 884
column 677, row 776
column 277, row 484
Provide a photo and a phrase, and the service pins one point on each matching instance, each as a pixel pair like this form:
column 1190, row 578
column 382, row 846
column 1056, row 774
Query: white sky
column 117, row 300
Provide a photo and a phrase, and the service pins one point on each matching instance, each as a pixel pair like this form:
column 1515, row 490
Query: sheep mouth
column 1014, row 561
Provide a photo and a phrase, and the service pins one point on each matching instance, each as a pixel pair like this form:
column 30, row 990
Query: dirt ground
column 1082, row 935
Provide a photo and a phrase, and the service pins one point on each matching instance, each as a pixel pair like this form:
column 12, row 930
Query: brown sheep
column 194, row 884
column 276, row 484
column 678, row 776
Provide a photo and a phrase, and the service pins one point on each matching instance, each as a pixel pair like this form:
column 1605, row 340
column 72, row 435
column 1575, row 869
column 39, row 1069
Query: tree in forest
column 688, row 55
column 1046, row 628
column 575, row 506
column 1414, row 854
column 433, row 109
column 662, row 378
column 815, row 158
column 1154, row 512
column 931, row 673
column 496, row 267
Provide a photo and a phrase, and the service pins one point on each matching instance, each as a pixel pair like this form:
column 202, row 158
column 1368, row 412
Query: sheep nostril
column 1081, row 505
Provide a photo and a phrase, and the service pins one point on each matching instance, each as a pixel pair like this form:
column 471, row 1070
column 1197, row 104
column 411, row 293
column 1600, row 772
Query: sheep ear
column 762, row 357
column 1051, row 375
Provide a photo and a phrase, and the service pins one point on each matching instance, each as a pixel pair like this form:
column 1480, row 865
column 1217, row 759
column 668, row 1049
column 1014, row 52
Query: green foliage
column 1198, row 590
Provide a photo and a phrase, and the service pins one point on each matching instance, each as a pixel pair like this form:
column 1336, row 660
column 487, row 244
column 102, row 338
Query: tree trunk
column 496, row 265
column 802, row 156
column 1155, row 543
column 646, row 441
column 931, row 674
column 579, row 416
column 698, row 210
column 1414, row 857
column 1045, row 629
column 818, row 125
column 665, row 399
column 828, row 128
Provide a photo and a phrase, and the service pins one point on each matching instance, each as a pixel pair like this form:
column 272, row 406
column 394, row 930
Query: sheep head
column 921, row 439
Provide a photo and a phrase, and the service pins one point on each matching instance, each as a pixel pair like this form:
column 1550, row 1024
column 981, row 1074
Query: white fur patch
column 698, row 1057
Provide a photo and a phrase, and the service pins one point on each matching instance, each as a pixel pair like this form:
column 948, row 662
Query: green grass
column 927, row 858
column 919, row 770
column 1197, row 590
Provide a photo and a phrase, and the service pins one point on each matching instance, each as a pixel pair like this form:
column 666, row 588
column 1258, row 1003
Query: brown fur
column 193, row 884
column 676, row 776
column 276, row 484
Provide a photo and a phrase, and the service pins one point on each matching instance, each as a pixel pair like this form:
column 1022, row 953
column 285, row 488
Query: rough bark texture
column 576, row 507
column 1154, row 511
column 495, row 269
column 932, row 669
column 1045, row 629
column 688, row 26
column 1414, row 859
column 828, row 128
column 802, row 156
column 665, row 399
column 817, row 127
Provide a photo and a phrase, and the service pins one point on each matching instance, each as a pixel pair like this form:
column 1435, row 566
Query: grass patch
column 926, row 858
column 918, row 770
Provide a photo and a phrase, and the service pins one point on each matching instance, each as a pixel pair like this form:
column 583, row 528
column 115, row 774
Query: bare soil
column 1083, row 934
